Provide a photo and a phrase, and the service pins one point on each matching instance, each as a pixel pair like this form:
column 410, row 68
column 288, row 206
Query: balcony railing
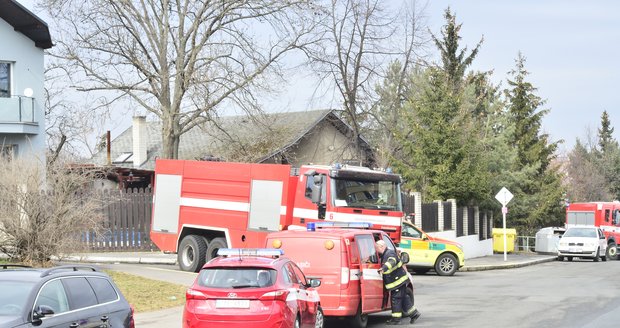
column 19, row 109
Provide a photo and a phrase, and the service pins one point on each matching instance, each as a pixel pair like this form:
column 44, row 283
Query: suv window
column 80, row 293
column 103, row 289
column 53, row 295
column 298, row 274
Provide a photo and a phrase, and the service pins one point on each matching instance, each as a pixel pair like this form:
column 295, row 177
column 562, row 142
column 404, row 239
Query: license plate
column 574, row 250
column 232, row 304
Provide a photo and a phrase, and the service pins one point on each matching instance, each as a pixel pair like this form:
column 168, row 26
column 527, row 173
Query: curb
column 115, row 260
column 506, row 265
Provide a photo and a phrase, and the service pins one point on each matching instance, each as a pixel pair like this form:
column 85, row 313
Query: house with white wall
column 23, row 39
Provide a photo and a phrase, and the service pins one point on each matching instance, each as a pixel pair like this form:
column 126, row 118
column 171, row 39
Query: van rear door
column 371, row 282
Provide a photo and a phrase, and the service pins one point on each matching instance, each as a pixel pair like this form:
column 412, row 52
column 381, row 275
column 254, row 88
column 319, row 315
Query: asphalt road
column 553, row 294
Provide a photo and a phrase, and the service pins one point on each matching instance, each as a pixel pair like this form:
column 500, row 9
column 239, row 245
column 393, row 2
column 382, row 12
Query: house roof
column 260, row 137
column 26, row 22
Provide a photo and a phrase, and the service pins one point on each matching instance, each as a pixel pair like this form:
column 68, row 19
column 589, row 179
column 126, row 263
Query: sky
column 572, row 50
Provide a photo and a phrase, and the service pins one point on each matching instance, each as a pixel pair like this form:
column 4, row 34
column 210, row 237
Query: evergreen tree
column 533, row 147
column 538, row 191
column 445, row 158
column 454, row 60
column 605, row 133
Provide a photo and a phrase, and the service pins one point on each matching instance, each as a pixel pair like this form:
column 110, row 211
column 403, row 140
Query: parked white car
column 582, row 242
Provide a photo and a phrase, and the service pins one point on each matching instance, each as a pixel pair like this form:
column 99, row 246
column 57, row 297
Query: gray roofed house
column 295, row 138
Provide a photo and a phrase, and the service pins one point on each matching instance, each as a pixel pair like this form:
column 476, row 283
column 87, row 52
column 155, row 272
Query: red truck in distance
column 605, row 215
column 200, row 207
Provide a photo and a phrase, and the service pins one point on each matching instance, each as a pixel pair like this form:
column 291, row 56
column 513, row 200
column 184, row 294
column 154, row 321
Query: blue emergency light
column 312, row 226
column 250, row 252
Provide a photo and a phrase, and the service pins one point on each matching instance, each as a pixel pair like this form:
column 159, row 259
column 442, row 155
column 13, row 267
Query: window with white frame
column 5, row 79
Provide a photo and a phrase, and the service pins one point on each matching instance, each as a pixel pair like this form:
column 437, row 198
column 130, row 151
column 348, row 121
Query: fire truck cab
column 346, row 263
column 605, row 215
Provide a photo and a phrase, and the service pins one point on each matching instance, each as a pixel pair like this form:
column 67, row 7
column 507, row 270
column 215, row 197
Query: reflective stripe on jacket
column 394, row 275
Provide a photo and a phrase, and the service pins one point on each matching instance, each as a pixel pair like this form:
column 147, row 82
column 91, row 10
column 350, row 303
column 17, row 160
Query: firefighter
column 396, row 280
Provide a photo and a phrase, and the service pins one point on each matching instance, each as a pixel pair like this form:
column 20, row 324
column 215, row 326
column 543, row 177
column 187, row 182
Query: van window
column 355, row 254
column 366, row 246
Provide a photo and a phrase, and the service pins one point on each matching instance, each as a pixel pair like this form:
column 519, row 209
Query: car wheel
column 359, row 320
column 319, row 320
column 598, row 254
column 569, row 258
column 612, row 252
column 191, row 253
column 420, row 271
column 446, row 265
column 214, row 246
column 560, row 258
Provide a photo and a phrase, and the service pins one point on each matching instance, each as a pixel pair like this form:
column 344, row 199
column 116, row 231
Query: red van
column 346, row 262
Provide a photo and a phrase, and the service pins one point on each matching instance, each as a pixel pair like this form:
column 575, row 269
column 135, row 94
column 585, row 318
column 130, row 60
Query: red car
column 252, row 288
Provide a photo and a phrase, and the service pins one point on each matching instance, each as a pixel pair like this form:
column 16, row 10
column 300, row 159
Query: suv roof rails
column 67, row 267
column 9, row 266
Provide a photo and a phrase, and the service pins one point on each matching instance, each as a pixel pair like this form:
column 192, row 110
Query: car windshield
column 580, row 232
column 241, row 277
column 14, row 296
column 366, row 194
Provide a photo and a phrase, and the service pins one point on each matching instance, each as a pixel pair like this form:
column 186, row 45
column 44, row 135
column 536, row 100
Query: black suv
column 63, row 296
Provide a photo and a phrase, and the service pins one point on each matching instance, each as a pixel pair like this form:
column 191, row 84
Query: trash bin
column 498, row 240
column 547, row 239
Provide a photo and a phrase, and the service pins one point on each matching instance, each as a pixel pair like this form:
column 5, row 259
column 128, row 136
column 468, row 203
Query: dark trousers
column 402, row 302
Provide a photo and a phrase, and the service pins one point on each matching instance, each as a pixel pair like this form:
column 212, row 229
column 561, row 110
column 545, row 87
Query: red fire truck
column 200, row 207
column 605, row 215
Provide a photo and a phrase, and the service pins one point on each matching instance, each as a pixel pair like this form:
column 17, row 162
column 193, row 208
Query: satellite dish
column 28, row 92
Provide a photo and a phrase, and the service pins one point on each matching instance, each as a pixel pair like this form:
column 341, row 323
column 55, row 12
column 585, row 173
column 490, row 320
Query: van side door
column 371, row 282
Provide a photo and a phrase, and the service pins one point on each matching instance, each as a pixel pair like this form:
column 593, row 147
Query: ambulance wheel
column 191, row 254
column 612, row 252
column 214, row 246
column 359, row 320
column 446, row 265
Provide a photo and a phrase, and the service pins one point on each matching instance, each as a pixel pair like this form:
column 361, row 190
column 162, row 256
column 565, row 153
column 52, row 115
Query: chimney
column 139, row 140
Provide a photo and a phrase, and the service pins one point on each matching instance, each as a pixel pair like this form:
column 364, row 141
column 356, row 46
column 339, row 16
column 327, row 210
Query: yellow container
column 498, row 240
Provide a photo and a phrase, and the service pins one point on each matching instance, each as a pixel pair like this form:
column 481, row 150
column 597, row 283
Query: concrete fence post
column 477, row 220
column 440, row 220
column 465, row 221
column 453, row 201
column 418, row 208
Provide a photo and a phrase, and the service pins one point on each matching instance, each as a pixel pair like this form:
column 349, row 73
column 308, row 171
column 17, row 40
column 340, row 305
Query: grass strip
column 148, row 294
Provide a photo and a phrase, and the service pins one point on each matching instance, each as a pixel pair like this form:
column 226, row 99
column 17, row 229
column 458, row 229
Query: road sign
column 504, row 196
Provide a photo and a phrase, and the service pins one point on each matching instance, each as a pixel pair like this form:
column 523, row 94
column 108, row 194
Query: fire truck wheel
column 192, row 253
column 446, row 265
column 612, row 252
column 214, row 245
column 359, row 320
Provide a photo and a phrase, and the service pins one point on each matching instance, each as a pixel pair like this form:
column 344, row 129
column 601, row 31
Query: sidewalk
column 490, row 262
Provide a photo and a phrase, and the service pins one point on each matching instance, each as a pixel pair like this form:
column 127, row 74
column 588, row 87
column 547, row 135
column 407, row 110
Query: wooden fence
column 127, row 222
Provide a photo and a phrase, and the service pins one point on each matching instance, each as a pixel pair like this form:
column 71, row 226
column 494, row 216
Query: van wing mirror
column 314, row 283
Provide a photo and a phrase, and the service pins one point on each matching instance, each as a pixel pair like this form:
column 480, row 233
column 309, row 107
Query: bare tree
column 43, row 213
column 71, row 121
column 180, row 59
column 358, row 38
